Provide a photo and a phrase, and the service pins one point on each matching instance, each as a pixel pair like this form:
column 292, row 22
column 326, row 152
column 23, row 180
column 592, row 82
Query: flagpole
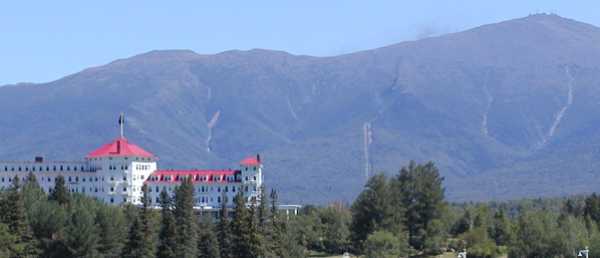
column 122, row 123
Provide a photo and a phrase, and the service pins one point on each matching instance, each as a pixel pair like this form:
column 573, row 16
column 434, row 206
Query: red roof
column 120, row 148
column 198, row 176
column 251, row 161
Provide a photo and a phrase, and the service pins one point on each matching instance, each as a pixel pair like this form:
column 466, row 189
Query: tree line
column 402, row 215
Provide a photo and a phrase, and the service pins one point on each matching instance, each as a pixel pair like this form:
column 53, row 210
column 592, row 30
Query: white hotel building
column 116, row 172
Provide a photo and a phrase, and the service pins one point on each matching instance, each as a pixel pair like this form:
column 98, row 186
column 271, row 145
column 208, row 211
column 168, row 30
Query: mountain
column 505, row 110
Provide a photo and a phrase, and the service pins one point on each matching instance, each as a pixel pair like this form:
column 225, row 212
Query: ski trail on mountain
column 368, row 130
column 291, row 108
column 561, row 113
column 211, row 124
column 368, row 139
column 489, row 100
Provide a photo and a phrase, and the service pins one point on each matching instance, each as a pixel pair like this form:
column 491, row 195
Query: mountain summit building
column 116, row 172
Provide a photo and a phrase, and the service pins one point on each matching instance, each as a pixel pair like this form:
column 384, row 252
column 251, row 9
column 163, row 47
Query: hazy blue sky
column 45, row 40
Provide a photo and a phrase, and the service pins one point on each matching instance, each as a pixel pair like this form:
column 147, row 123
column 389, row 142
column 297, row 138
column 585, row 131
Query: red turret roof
column 120, row 148
column 251, row 161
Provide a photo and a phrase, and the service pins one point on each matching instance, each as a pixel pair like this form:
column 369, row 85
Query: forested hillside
column 507, row 110
column 404, row 215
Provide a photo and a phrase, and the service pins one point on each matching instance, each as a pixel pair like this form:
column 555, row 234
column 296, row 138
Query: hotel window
column 112, row 189
column 112, row 200
column 124, row 189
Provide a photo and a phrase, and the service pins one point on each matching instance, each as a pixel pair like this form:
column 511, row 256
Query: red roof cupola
column 120, row 147
column 251, row 161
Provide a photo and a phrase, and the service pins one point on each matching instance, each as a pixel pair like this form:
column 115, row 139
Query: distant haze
column 44, row 41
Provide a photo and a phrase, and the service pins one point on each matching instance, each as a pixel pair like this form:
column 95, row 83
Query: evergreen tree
column 185, row 219
column 373, row 210
column 60, row 193
column 167, row 237
column 81, row 234
column 16, row 220
column 255, row 241
column 224, row 230
column 139, row 241
column 208, row 245
column 240, row 229
column 464, row 224
column 135, row 241
column 32, row 192
column 502, row 229
column 592, row 207
column 335, row 229
column 421, row 192
column 263, row 213
column 111, row 226
column 277, row 229
column 7, row 240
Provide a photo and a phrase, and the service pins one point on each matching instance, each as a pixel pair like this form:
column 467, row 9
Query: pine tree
column 255, row 240
column 7, row 240
column 224, row 230
column 32, row 192
column 208, row 245
column 277, row 228
column 265, row 228
column 240, row 228
column 185, row 219
column 147, row 227
column 16, row 220
column 60, row 193
column 375, row 209
column 139, row 242
column 81, row 234
column 263, row 212
column 112, row 231
column 168, row 232
column 422, row 195
column 135, row 241
column 502, row 229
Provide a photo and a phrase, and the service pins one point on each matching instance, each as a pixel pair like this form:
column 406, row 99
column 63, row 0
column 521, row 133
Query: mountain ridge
column 479, row 102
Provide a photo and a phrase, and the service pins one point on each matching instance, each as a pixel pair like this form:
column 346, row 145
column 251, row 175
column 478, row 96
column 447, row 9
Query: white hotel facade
column 116, row 172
